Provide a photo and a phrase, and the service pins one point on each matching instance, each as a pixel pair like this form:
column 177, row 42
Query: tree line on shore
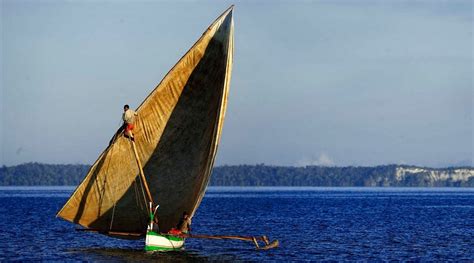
column 30, row 174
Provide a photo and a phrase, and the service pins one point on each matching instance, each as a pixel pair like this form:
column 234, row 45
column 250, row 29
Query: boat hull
column 158, row 242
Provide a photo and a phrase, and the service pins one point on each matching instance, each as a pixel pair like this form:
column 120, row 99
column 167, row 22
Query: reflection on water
column 118, row 254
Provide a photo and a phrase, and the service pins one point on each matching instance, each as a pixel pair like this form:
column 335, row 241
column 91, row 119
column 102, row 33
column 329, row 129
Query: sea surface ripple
column 311, row 223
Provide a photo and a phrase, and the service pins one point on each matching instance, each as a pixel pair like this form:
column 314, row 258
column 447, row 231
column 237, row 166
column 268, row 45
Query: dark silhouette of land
column 30, row 174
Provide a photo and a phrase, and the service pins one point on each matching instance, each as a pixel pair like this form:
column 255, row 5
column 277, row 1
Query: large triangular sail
column 177, row 133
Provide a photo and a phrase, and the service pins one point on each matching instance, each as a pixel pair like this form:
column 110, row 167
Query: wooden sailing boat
column 176, row 136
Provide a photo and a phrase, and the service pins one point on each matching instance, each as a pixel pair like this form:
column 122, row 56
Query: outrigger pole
column 255, row 240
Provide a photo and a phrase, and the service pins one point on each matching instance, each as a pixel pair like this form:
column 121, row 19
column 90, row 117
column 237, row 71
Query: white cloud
column 322, row 160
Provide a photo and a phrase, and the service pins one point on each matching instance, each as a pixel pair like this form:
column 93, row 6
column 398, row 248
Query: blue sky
column 314, row 82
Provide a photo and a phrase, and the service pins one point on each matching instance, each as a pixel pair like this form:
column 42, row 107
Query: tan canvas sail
column 177, row 132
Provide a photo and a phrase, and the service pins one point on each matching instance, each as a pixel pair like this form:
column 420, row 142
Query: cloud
column 322, row 160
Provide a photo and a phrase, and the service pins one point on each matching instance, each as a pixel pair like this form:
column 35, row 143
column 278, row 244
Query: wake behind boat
column 164, row 171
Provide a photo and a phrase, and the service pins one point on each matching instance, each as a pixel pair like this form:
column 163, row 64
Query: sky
column 333, row 83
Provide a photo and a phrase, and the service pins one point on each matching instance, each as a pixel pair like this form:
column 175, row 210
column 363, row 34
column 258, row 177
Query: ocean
column 311, row 224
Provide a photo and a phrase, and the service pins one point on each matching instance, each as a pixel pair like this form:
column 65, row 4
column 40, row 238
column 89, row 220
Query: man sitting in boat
column 128, row 118
column 184, row 224
column 183, row 227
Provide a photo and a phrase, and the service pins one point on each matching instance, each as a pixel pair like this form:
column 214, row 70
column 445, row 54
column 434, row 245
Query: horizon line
column 276, row 165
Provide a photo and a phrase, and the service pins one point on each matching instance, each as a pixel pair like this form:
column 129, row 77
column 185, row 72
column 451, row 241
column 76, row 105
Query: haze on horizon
column 314, row 83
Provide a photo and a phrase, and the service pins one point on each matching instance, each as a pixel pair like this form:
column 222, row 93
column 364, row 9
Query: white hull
column 157, row 242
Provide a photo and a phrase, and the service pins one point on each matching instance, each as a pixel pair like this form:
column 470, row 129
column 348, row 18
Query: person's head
column 126, row 107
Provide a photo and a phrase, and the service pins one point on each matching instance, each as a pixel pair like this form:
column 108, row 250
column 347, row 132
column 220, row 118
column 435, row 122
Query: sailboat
column 165, row 170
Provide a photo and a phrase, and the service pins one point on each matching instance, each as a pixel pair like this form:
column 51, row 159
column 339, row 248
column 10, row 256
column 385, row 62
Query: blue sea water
column 312, row 224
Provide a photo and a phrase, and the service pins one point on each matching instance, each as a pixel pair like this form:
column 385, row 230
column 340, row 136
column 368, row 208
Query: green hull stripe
column 169, row 237
column 153, row 248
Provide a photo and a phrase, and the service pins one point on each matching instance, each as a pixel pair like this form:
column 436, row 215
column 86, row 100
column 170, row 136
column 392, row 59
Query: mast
column 142, row 174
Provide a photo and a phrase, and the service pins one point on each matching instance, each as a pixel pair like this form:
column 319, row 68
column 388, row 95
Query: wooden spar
column 142, row 175
column 265, row 240
column 268, row 245
column 117, row 233
column 255, row 242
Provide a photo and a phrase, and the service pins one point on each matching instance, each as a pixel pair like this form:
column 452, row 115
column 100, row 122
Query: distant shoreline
column 37, row 174
column 246, row 189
